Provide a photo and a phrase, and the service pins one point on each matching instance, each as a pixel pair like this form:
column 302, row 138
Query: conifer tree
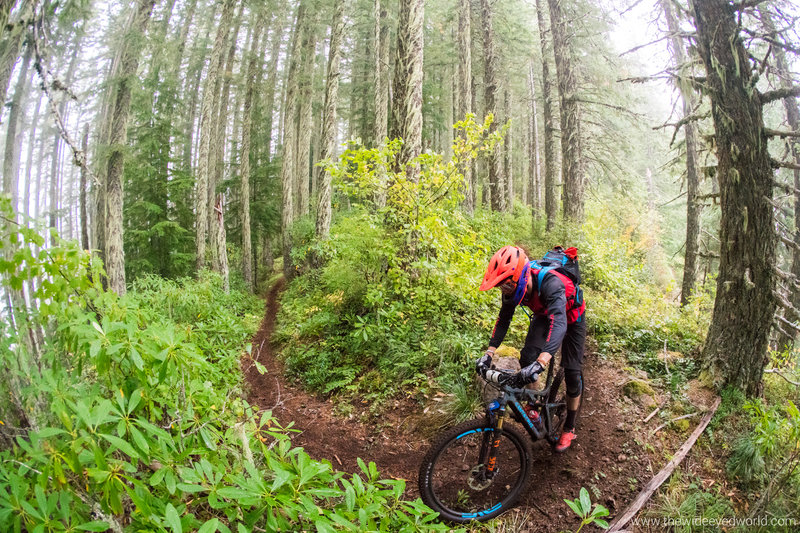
column 407, row 97
column 329, row 119
column 128, row 57
column 572, row 158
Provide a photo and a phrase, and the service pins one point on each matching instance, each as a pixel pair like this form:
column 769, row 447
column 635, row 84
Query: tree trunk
column 11, row 155
column 382, row 59
column 737, row 341
column 496, row 180
column 207, row 120
column 465, row 91
column 272, row 77
column 289, row 144
column 534, row 164
column 692, row 178
column 13, row 39
column 407, row 98
column 32, row 141
column 191, row 90
column 551, row 173
column 305, row 119
column 508, row 152
column 129, row 62
column 247, row 121
column 83, row 190
column 329, row 119
column 220, row 242
column 793, row 147
column 573, row 165
column 216, row 153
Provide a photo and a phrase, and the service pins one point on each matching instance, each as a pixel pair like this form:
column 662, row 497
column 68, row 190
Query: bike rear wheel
column 452, row 480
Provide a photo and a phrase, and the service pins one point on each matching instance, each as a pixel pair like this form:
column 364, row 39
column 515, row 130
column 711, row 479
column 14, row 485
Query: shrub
column 128, row 411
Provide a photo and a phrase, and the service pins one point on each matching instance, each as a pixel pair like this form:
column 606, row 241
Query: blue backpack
column 560, row 260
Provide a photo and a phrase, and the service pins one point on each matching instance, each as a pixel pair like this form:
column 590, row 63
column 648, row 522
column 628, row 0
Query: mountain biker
column 557, row 321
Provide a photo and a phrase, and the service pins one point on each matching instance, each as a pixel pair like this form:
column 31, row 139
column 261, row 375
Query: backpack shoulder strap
column 542, row 273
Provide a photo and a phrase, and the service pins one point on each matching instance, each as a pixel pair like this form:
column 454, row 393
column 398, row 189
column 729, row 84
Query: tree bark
column 32, row 141
column 508, row 152
column 329, row 120
column 216, row 154
column 573, row 165
column 692, row 178
column 407, row 98
column 534, row 162
column 496, row 181
column 129, row 62
column 247, row 121
column 207, row 119
column 13, row 38
column 289, row 144
column 272, row 77
column 305, row 119
column 11, row 155
column 736, row 345
column 382, row 59
column 83, row 189
column 551, row 180
column 465, row 91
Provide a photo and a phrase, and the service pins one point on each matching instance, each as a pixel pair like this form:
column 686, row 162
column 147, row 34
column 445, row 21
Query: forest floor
column 614, row 455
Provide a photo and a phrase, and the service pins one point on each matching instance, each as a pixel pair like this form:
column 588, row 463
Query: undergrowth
column 127, row 413
column 392, row 300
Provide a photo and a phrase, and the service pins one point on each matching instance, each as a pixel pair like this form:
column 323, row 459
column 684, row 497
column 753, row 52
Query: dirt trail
column 605, row 457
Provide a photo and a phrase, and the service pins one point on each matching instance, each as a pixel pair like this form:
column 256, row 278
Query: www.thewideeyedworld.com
column 732, row 521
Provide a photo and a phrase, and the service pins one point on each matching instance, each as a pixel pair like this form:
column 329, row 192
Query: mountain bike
column 480, row 468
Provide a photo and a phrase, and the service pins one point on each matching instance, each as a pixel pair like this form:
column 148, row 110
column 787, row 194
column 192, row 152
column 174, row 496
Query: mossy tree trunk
column 495, row 175
column 548, row 112
column 736, row 345
column 572, row 162
column 407, row 97
column 324, row 214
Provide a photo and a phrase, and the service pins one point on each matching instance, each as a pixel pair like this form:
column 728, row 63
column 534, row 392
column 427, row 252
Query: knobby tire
column 447, row 480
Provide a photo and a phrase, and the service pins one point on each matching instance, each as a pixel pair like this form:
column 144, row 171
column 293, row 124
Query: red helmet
column 507, row 261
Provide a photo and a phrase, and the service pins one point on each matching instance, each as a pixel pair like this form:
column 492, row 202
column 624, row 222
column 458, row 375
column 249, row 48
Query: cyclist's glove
column 529, row 374
column 483, row 364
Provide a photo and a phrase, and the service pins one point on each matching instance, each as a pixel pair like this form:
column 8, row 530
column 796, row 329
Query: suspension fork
column 491, row 442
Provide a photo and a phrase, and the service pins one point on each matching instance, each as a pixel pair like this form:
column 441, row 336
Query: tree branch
column 78, row 155
column 780, row 94
column 781, row 134
column 778, row 372
column 783, row 164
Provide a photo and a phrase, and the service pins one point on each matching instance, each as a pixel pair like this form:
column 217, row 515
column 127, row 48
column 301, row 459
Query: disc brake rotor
column 477, row 480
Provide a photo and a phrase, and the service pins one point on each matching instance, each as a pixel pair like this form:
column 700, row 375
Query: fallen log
column 618, row 523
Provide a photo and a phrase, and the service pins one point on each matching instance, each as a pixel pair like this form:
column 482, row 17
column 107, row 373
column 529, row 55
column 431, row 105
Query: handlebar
column 498, row 376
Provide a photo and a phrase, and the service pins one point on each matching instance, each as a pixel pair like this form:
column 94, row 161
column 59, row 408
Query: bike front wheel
column 453, row 478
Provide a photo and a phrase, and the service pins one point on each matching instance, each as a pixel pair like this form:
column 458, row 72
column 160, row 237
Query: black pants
column 571, row 346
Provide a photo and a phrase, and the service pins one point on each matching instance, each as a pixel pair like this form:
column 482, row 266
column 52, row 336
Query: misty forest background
column 167, row 161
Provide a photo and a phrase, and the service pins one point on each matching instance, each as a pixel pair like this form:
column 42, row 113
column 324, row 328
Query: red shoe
column 565, row 441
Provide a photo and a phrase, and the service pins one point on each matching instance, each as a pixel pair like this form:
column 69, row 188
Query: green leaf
column 123, row 445
column 599, row 510
column 600, row 522
column 234, row 493
column 209, row 527
column 586, row 502
column 94, row 526
column 173, row 519
column 208, row 439
column 140, row 441
column 575, row 507
column 186, row 487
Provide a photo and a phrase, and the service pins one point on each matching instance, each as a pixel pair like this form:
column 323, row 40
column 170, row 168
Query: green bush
column 128, row 414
